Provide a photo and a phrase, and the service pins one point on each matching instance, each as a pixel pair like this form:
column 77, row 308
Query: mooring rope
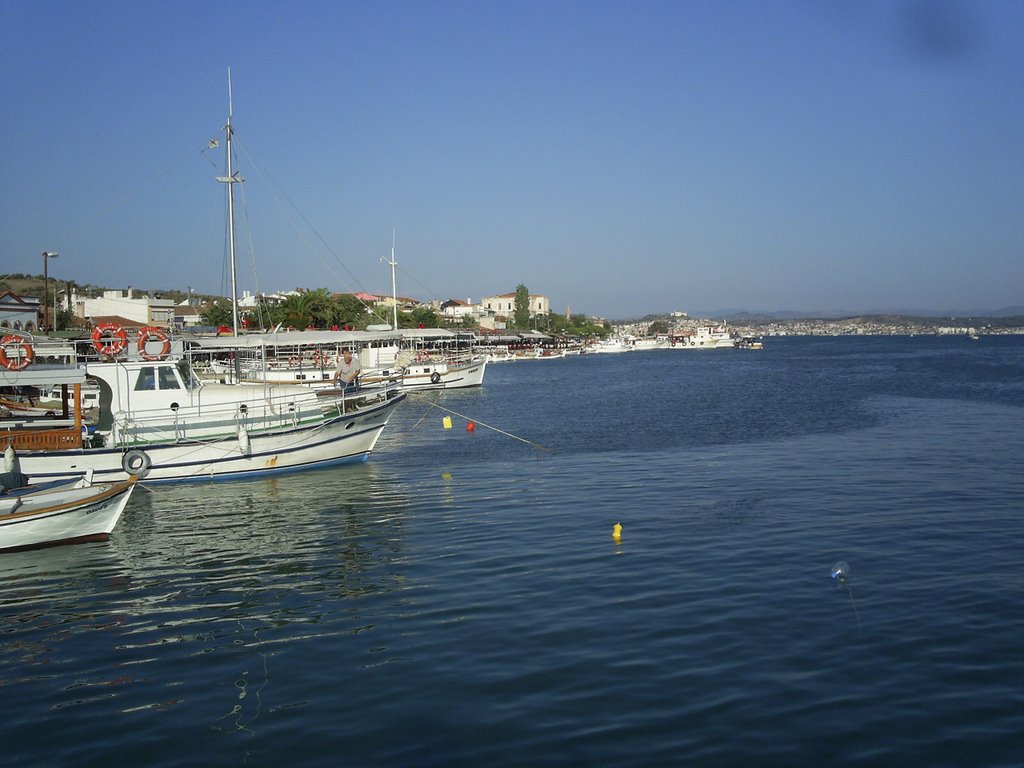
column 499, row 431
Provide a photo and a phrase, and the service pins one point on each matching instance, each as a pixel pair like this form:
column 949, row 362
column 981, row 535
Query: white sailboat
column 159, row 421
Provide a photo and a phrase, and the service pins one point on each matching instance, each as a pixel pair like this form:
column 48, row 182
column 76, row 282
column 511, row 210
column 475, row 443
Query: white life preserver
column 153, row 334
column 109, row 339
column 16, row 362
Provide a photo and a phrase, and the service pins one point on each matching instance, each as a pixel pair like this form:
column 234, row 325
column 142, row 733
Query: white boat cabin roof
column 42, row 376
column 294, row 339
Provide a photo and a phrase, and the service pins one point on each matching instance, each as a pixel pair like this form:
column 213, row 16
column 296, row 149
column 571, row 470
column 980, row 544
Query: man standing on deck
column 347, row 371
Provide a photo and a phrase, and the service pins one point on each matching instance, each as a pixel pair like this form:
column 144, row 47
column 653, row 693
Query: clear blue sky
column 619, row 157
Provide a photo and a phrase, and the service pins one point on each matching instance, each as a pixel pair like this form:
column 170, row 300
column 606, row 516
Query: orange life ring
column 109, row 339
column 16, row 363
column 153, row 334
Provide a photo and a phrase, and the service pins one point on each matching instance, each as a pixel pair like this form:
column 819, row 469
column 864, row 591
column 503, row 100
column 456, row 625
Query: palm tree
column 297, row 310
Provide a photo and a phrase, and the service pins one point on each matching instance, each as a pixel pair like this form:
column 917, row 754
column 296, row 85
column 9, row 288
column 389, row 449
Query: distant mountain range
column 734, row 315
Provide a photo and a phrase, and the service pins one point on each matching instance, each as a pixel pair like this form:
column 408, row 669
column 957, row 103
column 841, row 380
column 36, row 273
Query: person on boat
column 346, row 375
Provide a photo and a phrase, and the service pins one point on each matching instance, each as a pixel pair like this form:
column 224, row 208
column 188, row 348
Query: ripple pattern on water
column 459, row 599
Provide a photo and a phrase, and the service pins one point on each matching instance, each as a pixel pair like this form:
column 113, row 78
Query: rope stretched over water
column 538, row 446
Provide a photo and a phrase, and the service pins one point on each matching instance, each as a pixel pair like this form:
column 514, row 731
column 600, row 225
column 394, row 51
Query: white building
column 454, row 309
column 145, row 310
column 21, row 313
column 505, row 304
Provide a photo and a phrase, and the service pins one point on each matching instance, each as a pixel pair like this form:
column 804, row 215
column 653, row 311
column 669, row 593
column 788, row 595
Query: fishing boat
column 157, row 420
column 702, row 337
column 412, row 358
column 611, row 345
column 68, row 513
column 426, row 359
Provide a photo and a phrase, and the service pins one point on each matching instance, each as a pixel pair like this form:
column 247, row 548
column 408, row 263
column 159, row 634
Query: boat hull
column 343, row 438
column 64, row 516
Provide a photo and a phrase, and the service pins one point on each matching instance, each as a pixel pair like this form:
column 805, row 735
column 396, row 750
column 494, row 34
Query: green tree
column 298, row 310
column 217, row 314
column 65, row 319
column 658, row 326
column 521, row 317
column 321, row 307
column 424, row 316
column 346, row 309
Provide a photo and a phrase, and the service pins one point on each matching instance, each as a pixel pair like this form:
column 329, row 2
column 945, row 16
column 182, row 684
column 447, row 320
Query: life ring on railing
column 435, row 378
column 109, row 339
column 136, row 462
column 154, row 334
column 16, row 363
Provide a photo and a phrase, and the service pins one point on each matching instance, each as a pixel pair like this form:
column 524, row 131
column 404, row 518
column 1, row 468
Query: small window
column 146, row 380
column 167, row 378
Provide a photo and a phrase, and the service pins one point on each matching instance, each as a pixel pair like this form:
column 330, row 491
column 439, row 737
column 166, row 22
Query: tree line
column 320, row 308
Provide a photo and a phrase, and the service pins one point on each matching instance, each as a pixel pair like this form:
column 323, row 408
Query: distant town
column 33, row 302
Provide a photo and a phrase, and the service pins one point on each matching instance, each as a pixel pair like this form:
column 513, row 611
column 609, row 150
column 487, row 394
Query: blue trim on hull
column 155, row 450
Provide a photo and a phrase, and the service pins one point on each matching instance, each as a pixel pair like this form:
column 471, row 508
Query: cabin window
column 167, row 378
column 188, row 375
column 146, row 380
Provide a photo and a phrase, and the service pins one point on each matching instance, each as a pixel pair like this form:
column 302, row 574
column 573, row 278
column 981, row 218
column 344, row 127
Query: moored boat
column 157, row 420
column 702, row 337
column 68, row 513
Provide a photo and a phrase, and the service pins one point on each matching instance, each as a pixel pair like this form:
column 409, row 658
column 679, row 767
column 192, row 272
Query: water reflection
column 201, row 582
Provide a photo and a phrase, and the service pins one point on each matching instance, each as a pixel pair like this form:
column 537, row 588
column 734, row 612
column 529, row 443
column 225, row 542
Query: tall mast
column 394, row 291
column 230, row 179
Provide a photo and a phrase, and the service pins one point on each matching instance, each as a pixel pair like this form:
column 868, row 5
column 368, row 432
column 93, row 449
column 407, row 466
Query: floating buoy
column 841, row 571
column 617, row 531
column 470, row 426
column 446, row 475
column 446, row 422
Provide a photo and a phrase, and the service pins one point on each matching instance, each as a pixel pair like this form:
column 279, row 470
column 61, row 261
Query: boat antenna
column 231, row 179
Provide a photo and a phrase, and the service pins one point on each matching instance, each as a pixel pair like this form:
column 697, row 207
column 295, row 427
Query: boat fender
column 136, row 462
column 435, row 378
column 243, row 441
column 10, row 459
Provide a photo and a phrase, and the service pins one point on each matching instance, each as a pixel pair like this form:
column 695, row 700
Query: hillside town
column 68, row 306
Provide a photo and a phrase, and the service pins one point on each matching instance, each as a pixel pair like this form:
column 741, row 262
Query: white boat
column 158, row 421
column 612, row 344
column 426, row 359
column 412, row 358
column 67, row 514
column 702, row 337
column 641, row 344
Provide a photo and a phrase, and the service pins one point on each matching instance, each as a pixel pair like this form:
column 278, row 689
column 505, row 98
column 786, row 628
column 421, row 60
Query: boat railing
column 52, row 439
column 342, row 401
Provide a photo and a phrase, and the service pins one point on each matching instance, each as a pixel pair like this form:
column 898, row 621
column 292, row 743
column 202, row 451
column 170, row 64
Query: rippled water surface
column 458, row 600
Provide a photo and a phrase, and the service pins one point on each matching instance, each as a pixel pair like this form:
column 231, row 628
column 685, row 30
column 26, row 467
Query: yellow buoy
column 446, row 422
column 617, row 531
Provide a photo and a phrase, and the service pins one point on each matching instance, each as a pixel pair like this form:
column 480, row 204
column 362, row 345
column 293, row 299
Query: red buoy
column 470, row 426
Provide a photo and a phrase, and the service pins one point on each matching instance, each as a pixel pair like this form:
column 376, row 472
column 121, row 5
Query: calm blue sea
column 458, row 600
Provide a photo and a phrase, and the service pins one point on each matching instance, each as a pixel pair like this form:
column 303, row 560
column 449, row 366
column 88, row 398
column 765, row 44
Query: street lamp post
column 47, row 255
